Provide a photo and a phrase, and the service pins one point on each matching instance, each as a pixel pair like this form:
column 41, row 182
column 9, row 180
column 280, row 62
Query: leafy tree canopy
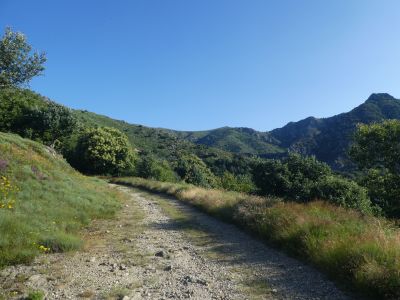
column 31, row 116
column 104, row 150
column 376, row 150
column 193, row 170
column 18, row 65
column 152, row 168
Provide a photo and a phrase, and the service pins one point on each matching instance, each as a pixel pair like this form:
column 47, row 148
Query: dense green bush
column 293, row 177
column 193, row 170
column 104, row 151
column 152, row 168
column 33, row 117
column 238, row 183
column 342, row 192
column 376, row 150
column 304, row 179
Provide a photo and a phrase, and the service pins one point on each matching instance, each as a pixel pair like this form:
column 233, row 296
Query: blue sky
column 191, row 65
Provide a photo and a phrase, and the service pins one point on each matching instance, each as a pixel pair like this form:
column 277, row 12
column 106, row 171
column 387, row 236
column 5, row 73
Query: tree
column 18, row 65
column 32, row 116
column 105, row 151
column 151, row 168
column 293, row 177
column 50, row 124
column 193, row 170
column 376, row 150
column 342, row 192
column 237, row 183
column 305, row 179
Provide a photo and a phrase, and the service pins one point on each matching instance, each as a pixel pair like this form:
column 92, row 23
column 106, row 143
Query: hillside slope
column 160, row 142
column 43, row 201
column 327, row 138
column 238, row 140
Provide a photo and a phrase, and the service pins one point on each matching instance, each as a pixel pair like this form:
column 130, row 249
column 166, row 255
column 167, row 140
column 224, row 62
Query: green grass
column 35, row 295
column 360, row 251
column 50, row 204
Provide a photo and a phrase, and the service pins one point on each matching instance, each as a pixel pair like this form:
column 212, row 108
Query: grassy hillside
column 161, row 143
column 44, row 202
column 145, row 139
column 237, row 140
column 358, row 250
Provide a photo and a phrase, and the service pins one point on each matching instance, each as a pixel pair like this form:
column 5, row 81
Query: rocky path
column 159, row 248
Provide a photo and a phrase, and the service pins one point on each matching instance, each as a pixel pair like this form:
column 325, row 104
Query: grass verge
column 360, row 251
column 44, row 202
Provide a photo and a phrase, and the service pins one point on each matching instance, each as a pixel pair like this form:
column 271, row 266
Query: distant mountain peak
column 380, row 96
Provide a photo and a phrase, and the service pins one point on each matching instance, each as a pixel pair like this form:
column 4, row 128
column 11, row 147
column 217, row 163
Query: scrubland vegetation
column 44, row 202
column 359, row 250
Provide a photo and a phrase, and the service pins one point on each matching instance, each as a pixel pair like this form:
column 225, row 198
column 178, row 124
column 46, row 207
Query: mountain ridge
column 327, row 138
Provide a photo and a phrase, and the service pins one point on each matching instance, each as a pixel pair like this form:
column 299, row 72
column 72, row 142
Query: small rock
column 201, row 281
column 168, row 268
column 92, row 259
column 37, row 280
column 274, row 291
column 122, row 267
column 125, row 298
column 161, row 253
column 107, row 231
column 128, row 240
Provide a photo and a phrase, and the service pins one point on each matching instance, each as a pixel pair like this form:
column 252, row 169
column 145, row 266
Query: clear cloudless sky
column 201, row 64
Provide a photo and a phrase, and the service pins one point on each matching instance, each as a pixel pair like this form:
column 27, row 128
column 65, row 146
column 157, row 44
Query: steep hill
column 43, row 201
column 329, row 138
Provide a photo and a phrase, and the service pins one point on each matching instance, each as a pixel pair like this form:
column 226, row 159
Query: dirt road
column 159, row 248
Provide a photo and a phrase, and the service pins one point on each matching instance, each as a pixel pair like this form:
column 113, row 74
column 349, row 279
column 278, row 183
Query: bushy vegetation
column 151, row 168
column 304, row 179
column 104, row 150
column 44, row 201
column 31, row 116
column 376, row 150
column 193, row 170
column 359, row 250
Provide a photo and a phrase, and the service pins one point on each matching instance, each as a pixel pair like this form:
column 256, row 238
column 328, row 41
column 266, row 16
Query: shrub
column 376, row 150
column 239, row 183
column 194, row 171
column 104, row 150
column 293, row 177
column 30, row 115
column 304, row 179
column 35, row 295
column 151, row 168
column 342, row 192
